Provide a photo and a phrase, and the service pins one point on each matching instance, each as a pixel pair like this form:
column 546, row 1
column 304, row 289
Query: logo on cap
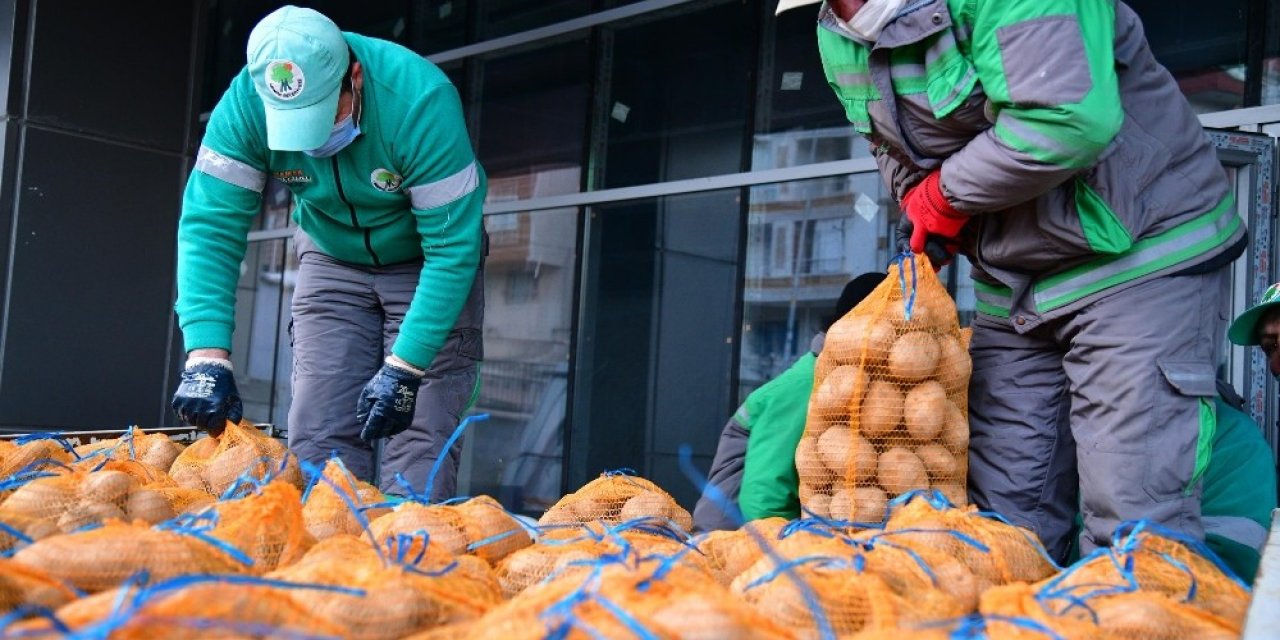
column 1271, row 294
column 285, row 79
column 385, row 180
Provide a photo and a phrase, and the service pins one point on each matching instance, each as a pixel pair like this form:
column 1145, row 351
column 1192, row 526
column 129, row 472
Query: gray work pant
column 1106, row 400
column 345, row 319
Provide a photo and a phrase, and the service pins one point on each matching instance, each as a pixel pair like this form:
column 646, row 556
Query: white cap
column 783, row 5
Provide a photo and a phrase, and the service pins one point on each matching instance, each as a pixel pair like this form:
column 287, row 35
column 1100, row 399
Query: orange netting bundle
column 213, row 464
column 77, row 498
column 995, row 551
column 562, row 552
column 818, row 574
column 616, row 497
column 18, row 457
column 24, row 585
column 730, row 552
column 102, row 558
column 328, row 505
column 1028, row 612
column 477, row 525
column 623, row 596
column 398, row 598
column 266, row 526
column 890, row 400
column 154, row 449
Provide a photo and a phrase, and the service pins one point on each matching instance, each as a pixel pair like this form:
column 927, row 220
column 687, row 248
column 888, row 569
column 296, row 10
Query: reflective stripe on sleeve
column 229, row 170
column 442, row 192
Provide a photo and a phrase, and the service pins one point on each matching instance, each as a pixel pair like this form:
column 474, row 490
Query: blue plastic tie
column 448, row 445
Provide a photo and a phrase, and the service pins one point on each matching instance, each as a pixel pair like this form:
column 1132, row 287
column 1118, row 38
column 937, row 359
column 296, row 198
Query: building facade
column 675, row 203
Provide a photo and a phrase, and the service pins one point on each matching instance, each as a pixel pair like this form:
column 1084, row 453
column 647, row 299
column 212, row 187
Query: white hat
column 783, row 5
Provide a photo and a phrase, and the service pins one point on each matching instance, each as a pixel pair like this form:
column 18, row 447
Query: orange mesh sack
column 616, row 497
column 327, row 510
column 730, row 552
column 24, row 585
column 890, row 400
column 213, row 464
column 16, row 458
column 266, row 526
column 492, row 533
column 995, row 551
column 623, row 596
column 398, row 599
column 1152, row 559
column 18, row 530
column 153, row 449
column 441, row 524
column 104, row 557
column 1029, row 612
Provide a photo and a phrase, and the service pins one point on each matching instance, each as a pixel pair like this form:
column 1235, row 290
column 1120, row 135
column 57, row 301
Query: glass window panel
column 1203, row 45
column 679, row 112
column 261, row 349
column 505, row 17
column 516, row 455
column 1271, row 62
column 533, row 113
column 438, row 25
column 799, row 119
column 805, row 241
column 656, row 345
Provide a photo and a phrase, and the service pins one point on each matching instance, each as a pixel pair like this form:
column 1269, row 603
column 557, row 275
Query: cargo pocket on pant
column 1177, row 463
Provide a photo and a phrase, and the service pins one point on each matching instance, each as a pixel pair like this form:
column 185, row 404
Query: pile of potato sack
column 229, row 538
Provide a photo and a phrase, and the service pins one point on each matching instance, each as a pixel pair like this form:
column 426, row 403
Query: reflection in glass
column 679, row 110
column 261, row 350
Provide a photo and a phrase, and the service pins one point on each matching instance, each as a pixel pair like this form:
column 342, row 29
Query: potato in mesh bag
column 888, row 410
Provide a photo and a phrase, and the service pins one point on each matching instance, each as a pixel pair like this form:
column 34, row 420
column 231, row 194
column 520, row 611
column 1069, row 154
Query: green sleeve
column 447, row 189
column 1239, row 491
column 777, row 410
column 222, row 197
column 1048, row 69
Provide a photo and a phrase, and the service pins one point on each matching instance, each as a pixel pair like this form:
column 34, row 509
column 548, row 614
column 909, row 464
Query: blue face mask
column 343, row 134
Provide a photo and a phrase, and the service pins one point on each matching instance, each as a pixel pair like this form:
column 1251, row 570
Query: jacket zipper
column 355, row 222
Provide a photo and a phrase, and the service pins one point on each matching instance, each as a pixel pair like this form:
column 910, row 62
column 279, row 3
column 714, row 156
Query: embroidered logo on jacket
column 385, row 180
column 285, row 79
column 291, row 176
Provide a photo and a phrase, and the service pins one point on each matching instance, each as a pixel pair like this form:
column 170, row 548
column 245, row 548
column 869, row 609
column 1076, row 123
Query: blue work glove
column 387, row 401
column 207, row 396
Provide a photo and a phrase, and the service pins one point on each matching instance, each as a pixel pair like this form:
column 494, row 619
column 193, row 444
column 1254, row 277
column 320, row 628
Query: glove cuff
column 932, row 185
column 221, row 362
column 397, row 362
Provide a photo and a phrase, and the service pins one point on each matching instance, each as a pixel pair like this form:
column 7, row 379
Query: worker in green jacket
column 1044, row 140
column 755, row 463
column 388, row 301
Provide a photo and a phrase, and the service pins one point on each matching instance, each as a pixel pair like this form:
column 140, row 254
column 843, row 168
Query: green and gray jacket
column 1052, row 121
column 409, row 188
column 1239, row 491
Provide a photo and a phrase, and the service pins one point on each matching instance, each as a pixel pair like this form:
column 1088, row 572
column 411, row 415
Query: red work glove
column 931, row 214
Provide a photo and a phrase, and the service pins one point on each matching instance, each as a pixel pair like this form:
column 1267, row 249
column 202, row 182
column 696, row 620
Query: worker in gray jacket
column 1042, row 138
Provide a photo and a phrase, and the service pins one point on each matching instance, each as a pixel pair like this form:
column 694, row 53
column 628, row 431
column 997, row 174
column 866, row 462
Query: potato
column 881, row 410
column 88, row 513
column 869, row 504
column 43, row 497
column 646, row 504
column 107, row 487
column 914, row 357
column 841, row 505
column 846, row 454
column 149, row 505
column 809, row 463
column 955, row 429
column 900, row 471
column 941, row 465
column 925, row 411
column 954, row 492
column 923, row 315
column 966, row 337
column 819, row 504
column 954, row 365
column 838, row 392
column 860, row 339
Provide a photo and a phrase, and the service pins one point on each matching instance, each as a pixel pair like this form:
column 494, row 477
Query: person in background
column 754, row 465
column 1043, row 140
column 388, row 304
